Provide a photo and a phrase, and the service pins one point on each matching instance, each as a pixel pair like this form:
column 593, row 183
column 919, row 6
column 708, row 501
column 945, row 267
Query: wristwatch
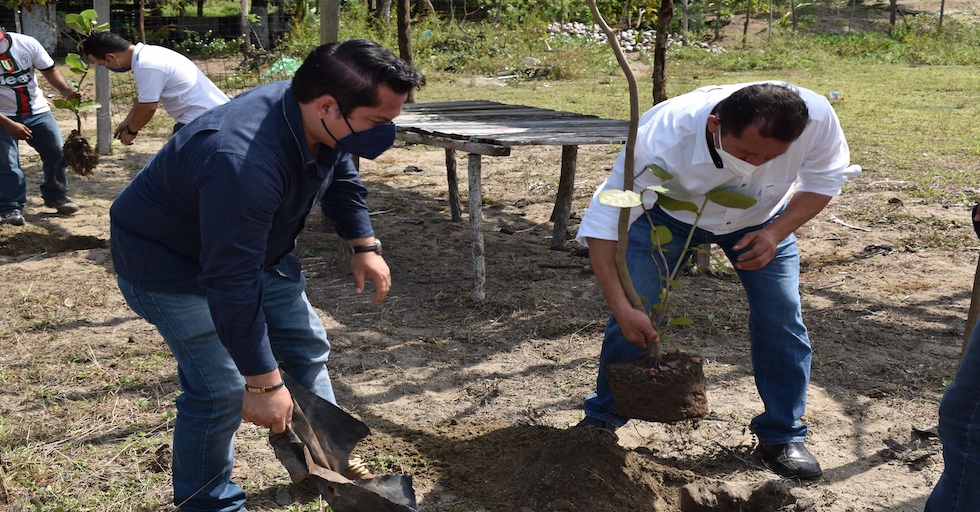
column 375, row 247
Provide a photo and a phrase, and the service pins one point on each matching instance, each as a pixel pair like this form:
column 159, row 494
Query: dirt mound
column 533, row 468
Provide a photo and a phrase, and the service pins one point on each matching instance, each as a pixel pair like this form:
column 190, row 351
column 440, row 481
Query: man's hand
column 637, row 327
column 273, row 409
column 370, row 265
column 123, row 134
column 18, row 131
column 762, row 248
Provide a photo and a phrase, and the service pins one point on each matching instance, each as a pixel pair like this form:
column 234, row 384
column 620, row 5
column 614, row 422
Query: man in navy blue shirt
column 201, row 240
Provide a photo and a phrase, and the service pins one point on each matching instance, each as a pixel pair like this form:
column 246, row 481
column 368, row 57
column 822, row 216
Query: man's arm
column 636, row 324
column 138, row 116
column 801, row 208
column 57, row 80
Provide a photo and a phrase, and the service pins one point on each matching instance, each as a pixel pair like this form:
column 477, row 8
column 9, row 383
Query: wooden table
column 490, row 128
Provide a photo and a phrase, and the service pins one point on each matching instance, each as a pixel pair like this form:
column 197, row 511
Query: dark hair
column 97, row 44
column 777, row 109
column 351, row 72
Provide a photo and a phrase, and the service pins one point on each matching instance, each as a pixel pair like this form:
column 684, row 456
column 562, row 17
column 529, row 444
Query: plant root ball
column 665, row 389
column 79, row 155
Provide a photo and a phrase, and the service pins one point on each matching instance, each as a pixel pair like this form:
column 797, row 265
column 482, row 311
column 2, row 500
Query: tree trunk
column 42, row 23
column 244, row 29
column 685, row 21
column 200, row 8
column 141, row 21
column 660, row 51
column 329, row 21
column 383, row 11
column 403, row 11
column 792, row 9
column 260, row 8
column 717, row 20
column 892, row 10
column 748, row 16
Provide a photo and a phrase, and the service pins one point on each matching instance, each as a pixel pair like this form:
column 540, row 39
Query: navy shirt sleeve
column 237, row 206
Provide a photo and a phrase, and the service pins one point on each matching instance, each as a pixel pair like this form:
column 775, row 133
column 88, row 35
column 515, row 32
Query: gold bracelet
column 266, row 389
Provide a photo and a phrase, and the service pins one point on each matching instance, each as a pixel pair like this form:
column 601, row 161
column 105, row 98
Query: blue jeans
column 209, row 410
column 958, row 489
column 46, row 139
column 780, row 346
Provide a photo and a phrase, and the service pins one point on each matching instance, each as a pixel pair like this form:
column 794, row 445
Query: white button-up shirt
column 673, row 135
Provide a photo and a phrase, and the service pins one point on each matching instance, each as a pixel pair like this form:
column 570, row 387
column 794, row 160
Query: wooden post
column 103, row 94
column 453, row 182
column 563, row 201
column 476, row 228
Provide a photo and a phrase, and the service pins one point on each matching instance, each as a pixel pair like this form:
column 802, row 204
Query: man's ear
column 713, row 123
column 326, row 104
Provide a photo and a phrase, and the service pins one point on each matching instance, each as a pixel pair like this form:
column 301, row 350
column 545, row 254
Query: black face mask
column 368, row 143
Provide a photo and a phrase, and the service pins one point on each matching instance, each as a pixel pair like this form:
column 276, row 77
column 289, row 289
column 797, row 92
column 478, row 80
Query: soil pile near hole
column 541, row 468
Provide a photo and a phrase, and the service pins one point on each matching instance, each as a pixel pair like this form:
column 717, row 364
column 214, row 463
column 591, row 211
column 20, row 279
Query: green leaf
column 659, row 172
column 660, row 235
column 85, row 106
column 74, row 60
column 677, row 193
column 620, row 198
column 669, row 203
column 683, row 320
column 676, row 284
column 63, row 103
column 730, row 199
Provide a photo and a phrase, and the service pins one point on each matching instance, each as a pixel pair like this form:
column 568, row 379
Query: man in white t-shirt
column 26, row 116
column 772, row 141
column 162, row 77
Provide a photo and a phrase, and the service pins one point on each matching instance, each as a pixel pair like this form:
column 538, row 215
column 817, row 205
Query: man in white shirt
column 772, row 141
column 162, row 77
column 25, row 115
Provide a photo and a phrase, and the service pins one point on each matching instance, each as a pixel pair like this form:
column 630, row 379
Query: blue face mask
column 368, row 143
column 116, row 70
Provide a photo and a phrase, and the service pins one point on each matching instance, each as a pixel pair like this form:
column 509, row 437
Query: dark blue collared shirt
column 224, row 200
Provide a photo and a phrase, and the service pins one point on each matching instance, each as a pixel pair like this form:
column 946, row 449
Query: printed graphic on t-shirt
column 13, row 77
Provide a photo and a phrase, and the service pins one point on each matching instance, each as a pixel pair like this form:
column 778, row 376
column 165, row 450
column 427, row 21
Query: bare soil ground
column 474, row 399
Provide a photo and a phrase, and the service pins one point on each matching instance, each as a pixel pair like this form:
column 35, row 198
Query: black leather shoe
column 791, row 460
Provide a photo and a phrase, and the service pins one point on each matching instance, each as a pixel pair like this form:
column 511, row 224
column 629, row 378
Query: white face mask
column 737, row 166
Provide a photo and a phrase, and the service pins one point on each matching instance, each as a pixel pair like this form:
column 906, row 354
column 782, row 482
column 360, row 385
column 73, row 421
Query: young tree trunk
column 664, row 17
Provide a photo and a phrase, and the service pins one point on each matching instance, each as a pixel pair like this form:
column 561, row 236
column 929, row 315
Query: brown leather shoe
column 356, row 470
column 790, row 460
